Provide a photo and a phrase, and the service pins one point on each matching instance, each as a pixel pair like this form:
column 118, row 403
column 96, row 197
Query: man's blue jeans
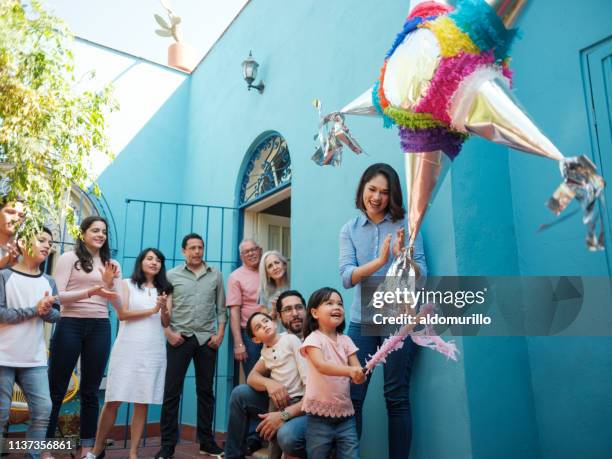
column 397, row 372
column 247, row 403
column 253, row 353
column 35, row 386
column 324, row 433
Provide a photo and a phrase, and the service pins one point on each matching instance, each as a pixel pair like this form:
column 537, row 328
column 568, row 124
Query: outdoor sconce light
column 249, row 70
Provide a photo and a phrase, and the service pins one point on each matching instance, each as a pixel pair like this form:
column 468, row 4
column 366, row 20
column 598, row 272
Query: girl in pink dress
column 332, row 364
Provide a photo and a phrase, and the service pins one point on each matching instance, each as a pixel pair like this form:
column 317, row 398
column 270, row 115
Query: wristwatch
column 285, row 416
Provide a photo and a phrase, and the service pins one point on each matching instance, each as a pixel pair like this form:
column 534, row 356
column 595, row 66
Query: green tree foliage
column 48, row 128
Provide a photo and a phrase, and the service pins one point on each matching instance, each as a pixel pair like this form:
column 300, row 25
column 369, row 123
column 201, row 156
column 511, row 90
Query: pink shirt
column 73, row 284
column 328, row 395
column 242, row 292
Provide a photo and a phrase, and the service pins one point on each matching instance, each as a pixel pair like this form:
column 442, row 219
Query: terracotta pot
column 181, row 56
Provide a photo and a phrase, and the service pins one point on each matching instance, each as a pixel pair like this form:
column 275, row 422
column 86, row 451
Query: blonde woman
column 273, row 280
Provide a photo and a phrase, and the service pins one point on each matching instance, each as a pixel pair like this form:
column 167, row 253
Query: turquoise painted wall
column 149, row 167
column 571, row 376
column 508, row 397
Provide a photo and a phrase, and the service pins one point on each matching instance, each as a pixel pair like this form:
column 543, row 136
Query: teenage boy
column 27, row 299
column 280, row 375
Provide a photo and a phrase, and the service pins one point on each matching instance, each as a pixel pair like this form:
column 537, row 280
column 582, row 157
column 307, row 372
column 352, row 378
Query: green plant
column 48, row 127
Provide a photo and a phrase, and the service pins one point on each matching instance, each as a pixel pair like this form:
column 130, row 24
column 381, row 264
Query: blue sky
column 128, row 25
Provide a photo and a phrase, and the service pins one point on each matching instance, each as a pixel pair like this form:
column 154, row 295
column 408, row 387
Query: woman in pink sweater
column 87, row 279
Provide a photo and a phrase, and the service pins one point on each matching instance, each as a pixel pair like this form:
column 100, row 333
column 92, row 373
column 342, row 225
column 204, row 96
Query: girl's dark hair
column 396, row 202
column 85, row 260
column 160, row 281
column 317, row 299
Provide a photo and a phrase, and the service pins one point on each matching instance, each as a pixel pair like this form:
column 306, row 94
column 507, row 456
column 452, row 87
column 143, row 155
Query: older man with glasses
column 242, row 297
column 250, row 401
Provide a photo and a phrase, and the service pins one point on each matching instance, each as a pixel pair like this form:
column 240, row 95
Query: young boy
column 281, row 356
column 27, row 298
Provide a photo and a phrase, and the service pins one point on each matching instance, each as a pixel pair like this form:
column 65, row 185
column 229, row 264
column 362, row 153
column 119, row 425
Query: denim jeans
column 253, row 352
column 323, row 433
column 397, row 372
column 245, row 404
column 204, row 362
column 291, row 437
column 90, row 339
column 35, row 385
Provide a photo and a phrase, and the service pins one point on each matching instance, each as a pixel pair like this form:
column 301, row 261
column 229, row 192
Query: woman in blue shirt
column 368, row 244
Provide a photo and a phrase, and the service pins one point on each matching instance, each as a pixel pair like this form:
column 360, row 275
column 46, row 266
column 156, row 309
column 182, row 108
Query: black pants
column 179, row 358
column 91, row 339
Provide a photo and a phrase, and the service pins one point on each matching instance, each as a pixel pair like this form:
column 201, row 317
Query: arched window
column 268, row 169
column 265, row 193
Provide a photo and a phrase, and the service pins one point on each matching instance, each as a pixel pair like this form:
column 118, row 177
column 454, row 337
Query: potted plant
column 180, row 54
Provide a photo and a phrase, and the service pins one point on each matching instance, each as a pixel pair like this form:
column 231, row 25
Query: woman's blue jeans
column 90, row 339
column 397, row 372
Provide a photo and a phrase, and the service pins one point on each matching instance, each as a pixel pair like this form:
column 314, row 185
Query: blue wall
column 507, row 397
column 149, row 167
column 570, row 375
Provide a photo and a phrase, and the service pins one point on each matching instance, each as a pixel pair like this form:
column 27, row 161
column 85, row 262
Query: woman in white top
column 137, row 364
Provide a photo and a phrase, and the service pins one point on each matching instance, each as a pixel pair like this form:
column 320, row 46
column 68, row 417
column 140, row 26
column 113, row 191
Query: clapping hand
column 99, row 290
column 44, row 304
column 12, row 255
column 160, row 304
column 109, row 273
column 385, row 249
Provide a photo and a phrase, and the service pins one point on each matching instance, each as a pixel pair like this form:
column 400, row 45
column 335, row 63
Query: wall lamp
column 249, row 71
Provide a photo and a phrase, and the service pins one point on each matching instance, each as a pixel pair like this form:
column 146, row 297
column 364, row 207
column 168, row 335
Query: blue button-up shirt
column 360, row 242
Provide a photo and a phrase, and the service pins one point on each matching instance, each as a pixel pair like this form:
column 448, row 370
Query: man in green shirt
column 197, row 325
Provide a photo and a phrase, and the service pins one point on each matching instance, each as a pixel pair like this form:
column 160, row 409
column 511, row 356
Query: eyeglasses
column 250, row 251
column 296, row 308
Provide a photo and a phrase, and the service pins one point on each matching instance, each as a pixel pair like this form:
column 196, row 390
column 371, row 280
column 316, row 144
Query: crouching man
column 279, row 376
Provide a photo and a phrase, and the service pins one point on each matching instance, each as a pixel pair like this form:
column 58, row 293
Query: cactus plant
column 170, row 28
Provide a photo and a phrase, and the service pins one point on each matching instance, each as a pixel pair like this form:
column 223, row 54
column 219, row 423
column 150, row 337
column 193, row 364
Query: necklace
column 148, row 289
